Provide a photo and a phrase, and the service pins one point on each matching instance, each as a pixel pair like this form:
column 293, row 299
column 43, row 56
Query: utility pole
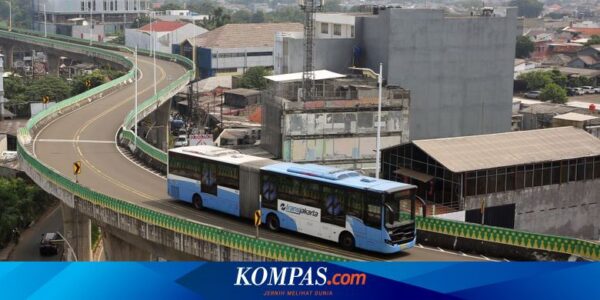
column 10, row 15
column 378, row 155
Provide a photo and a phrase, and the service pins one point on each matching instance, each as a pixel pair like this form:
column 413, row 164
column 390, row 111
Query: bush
column 554, row 93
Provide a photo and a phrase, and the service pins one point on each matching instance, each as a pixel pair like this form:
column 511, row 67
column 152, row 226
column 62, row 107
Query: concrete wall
column 332, row 54
column 459, row 69
column 569, row 209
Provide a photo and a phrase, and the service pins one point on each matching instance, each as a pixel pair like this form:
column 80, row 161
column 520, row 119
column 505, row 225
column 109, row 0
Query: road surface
column 28, row 248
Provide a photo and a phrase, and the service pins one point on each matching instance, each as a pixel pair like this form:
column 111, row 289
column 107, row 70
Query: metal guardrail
column 248, row 244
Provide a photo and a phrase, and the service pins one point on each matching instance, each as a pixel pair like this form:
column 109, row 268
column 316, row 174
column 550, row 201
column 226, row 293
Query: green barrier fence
column 511, row 237
column 267, row 249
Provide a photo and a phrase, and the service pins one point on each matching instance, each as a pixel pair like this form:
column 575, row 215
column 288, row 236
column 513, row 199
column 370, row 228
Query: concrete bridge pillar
column 53, row 64
column 162, row 131
column 77, row 231
column 116, row 249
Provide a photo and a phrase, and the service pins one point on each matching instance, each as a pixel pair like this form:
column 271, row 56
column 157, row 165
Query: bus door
column 372, row 217
column 354, row 214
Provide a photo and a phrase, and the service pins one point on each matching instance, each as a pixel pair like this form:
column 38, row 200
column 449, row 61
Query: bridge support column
column 8, row 56
column 53, row 64
column 162, row 132
column 77, row 231
column 116, row 249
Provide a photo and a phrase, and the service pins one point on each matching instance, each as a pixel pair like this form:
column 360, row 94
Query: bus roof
column 337, row 176
column 217, row 154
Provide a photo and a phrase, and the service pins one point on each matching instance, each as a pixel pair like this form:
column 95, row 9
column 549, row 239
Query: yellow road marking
column 77, row 136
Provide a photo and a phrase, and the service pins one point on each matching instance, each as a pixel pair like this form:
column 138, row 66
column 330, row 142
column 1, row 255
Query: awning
column 422, row 177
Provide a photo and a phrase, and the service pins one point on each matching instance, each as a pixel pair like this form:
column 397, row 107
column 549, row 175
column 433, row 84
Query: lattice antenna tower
column 310, row 7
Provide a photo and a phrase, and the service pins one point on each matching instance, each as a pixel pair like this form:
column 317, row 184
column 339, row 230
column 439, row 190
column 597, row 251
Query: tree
column 97, row 77
column 528, row 8
column 536, row 79
column 258, row 17
column 332, row 6
column 524, row 47
column 202, row 6
column 254, row 78
column 241, row 16
column 140, row 21
column 594, row 40
column 287, row 14
column 554, row 93
column 559, row 78
column 14, row 88
column 52, row 86
column 171, row 6
column 216, row 18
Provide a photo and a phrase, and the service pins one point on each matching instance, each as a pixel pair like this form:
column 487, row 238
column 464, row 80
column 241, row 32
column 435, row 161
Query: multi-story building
column 334, row 25
column 459, row 69
column 72, row 17
column 340, row 127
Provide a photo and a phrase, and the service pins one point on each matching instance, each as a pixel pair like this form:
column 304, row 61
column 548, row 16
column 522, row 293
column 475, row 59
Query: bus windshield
column 399, row 209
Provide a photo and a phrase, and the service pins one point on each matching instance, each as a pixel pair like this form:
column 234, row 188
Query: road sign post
column 76, row 170
column 257, row 220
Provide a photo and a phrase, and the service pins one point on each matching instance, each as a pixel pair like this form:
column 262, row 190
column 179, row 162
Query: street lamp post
column 45, row 22
column 68, row 244
column 135, row 130
column 378, row 155
column 10, row 15
column 91, row 22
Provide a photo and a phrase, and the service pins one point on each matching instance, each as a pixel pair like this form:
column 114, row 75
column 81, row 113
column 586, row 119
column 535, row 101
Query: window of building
column 94, row 4
column 116, row 5
column 82, row 6
column 352, row 31
column 111, row 6
column 337, row 29
column 324, row 28
column 126, row 5
column 104, row 5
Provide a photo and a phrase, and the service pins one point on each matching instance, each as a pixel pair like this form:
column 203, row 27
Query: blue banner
column 197, row 280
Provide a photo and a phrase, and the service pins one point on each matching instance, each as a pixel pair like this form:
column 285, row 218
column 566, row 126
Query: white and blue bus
column 325, row 202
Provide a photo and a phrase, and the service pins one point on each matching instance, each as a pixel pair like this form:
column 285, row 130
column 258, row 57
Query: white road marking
column 74, row 141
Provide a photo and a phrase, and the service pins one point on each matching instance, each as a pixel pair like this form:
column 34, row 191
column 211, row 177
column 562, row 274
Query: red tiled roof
column 585, row 31
column 162, row 26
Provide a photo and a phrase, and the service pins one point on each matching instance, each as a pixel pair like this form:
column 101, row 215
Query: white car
column 588, row 89
column 597, row 90
column 578, row 91
column 181, row 141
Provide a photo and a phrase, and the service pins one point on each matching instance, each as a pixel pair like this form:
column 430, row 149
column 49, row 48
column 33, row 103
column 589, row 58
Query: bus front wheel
column 273, row 222
column 197, row 201
column 346, row 241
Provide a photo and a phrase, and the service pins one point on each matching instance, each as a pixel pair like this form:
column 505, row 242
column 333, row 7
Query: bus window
column 269, row 191
column 373, row 211
column 354, row 204
column 228, row 175
column 399, row 209
column 310, row 193
column 332, row 206
column 209, row 178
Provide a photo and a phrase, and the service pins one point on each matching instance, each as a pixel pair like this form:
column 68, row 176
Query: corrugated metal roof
column 162, row 26
column 317, row 75
column 470, row 153
column 575, row 117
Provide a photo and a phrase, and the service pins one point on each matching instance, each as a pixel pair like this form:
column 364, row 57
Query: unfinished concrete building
column 337, row 129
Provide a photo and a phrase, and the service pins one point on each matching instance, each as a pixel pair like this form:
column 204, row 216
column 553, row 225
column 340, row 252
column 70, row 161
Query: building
column 539, row 180
column 241, row 98
column 180, row 15
column 232, row 48
column 459, row 69
column 334, row 26
column 339, row 127
column 164, row 33
column 72, row 17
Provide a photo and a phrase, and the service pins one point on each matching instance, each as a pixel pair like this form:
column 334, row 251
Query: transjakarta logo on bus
column 297, row 209
column 295, row 276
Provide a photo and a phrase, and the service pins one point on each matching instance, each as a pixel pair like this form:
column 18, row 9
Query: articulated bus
column 337, row 205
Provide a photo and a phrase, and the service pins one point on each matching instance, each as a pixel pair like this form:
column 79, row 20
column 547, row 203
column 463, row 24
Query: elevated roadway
column 89, row 133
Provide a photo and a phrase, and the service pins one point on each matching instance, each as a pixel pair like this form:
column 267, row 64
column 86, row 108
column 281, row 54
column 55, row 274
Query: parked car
column 578, row 91
column 181, row 141
column 588, row 89
column 597, row 90
column 49, row 243
column 533, row 94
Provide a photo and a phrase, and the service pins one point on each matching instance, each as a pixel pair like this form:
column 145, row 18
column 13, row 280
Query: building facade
column 63, row 15
column 165, row 34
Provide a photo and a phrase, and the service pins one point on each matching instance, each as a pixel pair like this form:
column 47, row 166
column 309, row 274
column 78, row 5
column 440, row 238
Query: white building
column 232, row 48
column 164, row 33
column 63, row 15
column 334, row 25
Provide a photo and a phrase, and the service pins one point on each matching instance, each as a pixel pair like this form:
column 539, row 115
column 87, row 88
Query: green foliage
column 55, row 87
column 528, row 8
column 554, row 93
column 536, row 79
column 83, row 83
column 524, row 47
column 171, row 6
column 559, row 78
column 254, row 78
column 594, row 40
column 203, row 7
column 556, row 15
column 140, row 21
column 20, row 203
column 14, row 88
column 120, row 39
column 21, row 13
column 332, row 6
column 216, row 18
column 580, row 81
column 241, row 16
column 287, row 14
